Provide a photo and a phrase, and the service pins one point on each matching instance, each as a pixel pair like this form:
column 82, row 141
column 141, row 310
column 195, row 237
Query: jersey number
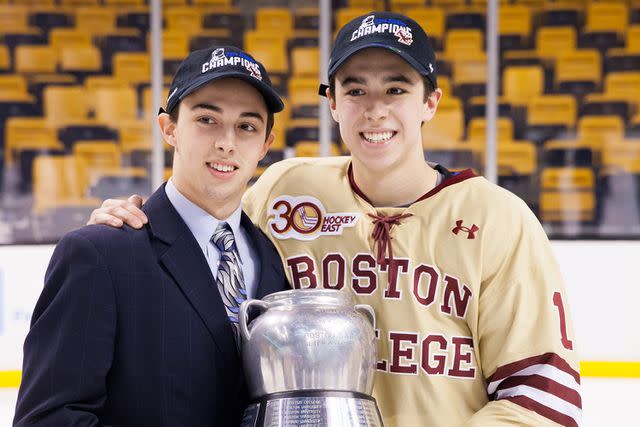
column 557, row 301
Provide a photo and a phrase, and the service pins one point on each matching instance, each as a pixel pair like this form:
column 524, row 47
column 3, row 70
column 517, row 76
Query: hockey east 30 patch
column 305, row 218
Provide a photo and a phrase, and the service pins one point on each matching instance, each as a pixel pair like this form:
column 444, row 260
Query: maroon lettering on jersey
column 302, row 267
column 382, row 363
column 440, row 360
column 363, row 274
column 430, row 283
column 460, row 293
column 393, row 268
column 463, row 352
column 397, row 339
column 340, row 263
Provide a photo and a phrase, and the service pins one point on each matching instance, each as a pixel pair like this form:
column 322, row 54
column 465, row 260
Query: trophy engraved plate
column 329, row 411
column 309, row 357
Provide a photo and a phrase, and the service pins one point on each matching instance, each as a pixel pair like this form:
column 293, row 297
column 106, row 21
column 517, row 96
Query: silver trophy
column 309, row 358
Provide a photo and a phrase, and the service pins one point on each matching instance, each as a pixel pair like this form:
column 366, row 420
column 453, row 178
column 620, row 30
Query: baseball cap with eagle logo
column 392, row 31
column 218, row 62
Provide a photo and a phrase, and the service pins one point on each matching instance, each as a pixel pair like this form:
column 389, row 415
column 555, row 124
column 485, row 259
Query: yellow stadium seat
column 169, row 4
column 447, row 126
column 346, row 14
column 68, row 38
column 149, row 110
column 23, row 133
column 303, row 91
column 186, row 19
column 218, row 4
column 175, row 44
column 478, row 126
column 276, row 19
column 366, row 4
column 607, row 17
column 269, row 49
column 98, row 156
column 135, row 135
column 517, row 158
column 583, row 65
column 623, row 85
column 621, row 157
column 600, row 130
column 431, row 19
column 444, row 84
column 567, row 194
column 312, row 149
column 14, row 19
column 280, row 125
column 305, row 61
column 92, row 83
column 127, row 3
column 463, row 43
column 96, row 20
column 515, row 19
column 5, row 60
column 35, row 3
column 546, row 110
column 470, row 70
column 554, row 41
column 65, row 105
column 79, row 2
column 59, row 181
column 633, row 39
column 114, row 105
column 13, row 87
column 80, row 58
column 402, row 6
column 449, row 4
column 132, row 67
column 521, row 83
column 35, row 59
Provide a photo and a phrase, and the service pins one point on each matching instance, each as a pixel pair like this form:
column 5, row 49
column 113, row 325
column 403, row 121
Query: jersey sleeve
column 524, row 331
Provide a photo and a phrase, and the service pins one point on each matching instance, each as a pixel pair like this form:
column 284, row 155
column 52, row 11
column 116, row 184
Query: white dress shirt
column 202, row 226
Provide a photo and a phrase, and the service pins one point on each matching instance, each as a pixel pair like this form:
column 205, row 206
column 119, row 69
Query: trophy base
column 313, row 408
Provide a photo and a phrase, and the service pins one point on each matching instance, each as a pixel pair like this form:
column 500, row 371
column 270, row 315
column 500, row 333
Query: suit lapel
column 183, row 259
column 269, row 281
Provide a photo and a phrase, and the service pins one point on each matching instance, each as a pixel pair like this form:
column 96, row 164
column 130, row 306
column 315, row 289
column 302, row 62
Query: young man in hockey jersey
column 473, row 325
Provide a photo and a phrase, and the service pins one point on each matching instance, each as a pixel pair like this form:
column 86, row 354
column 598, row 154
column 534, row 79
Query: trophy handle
column 243, row 318
column 367, row 310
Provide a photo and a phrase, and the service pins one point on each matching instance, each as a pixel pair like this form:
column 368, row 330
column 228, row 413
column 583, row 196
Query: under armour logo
column 431, row 67
column 471, row 232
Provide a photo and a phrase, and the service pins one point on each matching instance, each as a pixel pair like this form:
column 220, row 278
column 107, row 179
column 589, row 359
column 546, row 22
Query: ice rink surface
column 605, row 402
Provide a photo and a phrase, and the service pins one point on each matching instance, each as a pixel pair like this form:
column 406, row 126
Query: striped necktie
column 229, row 279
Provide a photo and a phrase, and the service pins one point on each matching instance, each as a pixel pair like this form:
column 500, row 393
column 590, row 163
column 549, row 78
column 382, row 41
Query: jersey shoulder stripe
column 546, row 384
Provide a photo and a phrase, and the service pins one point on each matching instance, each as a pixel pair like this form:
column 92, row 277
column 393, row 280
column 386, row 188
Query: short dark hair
column 175, row 113
column 428, row 87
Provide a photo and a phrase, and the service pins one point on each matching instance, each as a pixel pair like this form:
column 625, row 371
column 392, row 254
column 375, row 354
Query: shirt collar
column 200, row 222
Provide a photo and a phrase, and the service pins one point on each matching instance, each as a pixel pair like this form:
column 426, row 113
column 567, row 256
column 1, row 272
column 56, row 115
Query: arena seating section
column 76, row 113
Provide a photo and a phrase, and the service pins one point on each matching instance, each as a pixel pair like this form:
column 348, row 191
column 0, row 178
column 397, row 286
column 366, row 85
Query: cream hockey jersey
column 472, row 316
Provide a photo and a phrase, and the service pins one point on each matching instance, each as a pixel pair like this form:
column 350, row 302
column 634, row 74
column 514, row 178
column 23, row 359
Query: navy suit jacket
column 130, row 330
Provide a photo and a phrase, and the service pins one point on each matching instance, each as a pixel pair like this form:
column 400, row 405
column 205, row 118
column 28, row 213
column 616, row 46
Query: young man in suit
column 139, row 328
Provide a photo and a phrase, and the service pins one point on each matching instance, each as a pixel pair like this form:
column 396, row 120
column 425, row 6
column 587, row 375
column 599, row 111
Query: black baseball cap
column 392, row 31
column 218, row 62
